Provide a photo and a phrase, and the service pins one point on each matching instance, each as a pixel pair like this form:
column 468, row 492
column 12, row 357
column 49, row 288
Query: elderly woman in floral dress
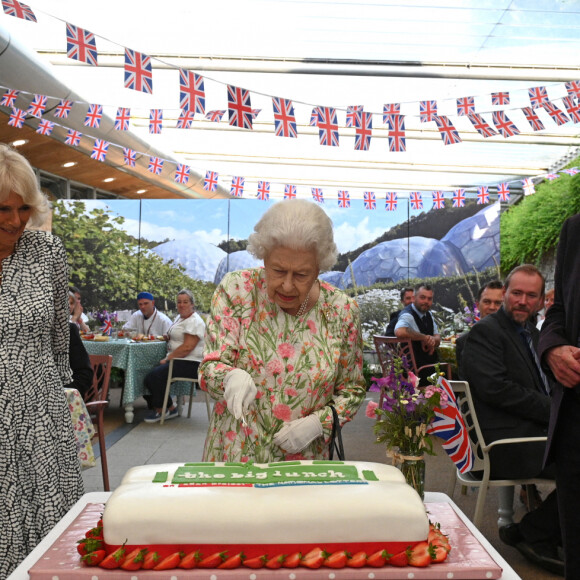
column 282, row 345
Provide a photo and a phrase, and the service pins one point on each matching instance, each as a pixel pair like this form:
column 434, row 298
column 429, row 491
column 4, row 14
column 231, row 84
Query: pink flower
column 286, row 350
column 231, row 324
column 413, row 379
column 220, row 407
column 231, row 435
column 282, row 412
column 370, row 410
column 274, row 367
column 312, row 326
column 290, row 392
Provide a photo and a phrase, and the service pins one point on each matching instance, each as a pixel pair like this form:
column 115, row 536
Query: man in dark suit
column 558, row 348
column 511, row 397
column 407, row 296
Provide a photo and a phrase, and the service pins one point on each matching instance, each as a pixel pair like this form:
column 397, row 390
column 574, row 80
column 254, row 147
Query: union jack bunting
column 314, row 117
column 390, row 109
column 138, row 72
column 551, row 176
column 427, row 111
column 284, row 119
column 100, row 149
column 449, row 425
column 572, row 108
column 263, row 190
column 290, row 192
column 571, row 171
column 81, row 45
column 391, row 201
column 182, row 173
column 255, row 113
column 370, row 200
column 37, row 106
column 191, row 92
column 73, row 138
column 155, row 121
column 185, row 119
column 215, row 116
column 129, row 157
column 211, row 180
column 18, row 9
column 122, row 119
column 504, row 124
column 482, row 194
column 363, row 131
column 17, row 118
column 532, row 119
column 573, row 88
column 481, row 126
column 9, row 97
column 438, row 200
column 239, row 107
column 328, row 127
column 317, row 194
column 352, row 113
column 501, row 98
column 416, row 200
column 397, row 140
column 459, row 198
column 503, row 191
column 45, row 127
column 155, row 165
column 528, row 186
column 63, row 109
column 447, row 131
column 343, row 199
column 465, row 106
column 558, row 116
column 237, row 187
column 94, row 116
column 538, row 96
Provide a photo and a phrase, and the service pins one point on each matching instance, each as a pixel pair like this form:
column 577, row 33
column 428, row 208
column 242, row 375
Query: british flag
column 558, row 116
column 438, row 200
column 38, row 106
column 106, row 327
column 573, row 108
column 129, row 157
column 503, row 191
column 571, row 171
column 81, row 45
column 343, row 199
column 94, row 116
column 122, row 119
column 155, row 165
column 500, row 98
column 448, row 424
column 528, row 186
column 427, row 111
column 290, row 192
column 353, row 114
column 73, row 138
column 191, row 92
column 314, row 117
column 18, row 9
column 481, row 126
column 9, row 97
column 504, row 124
column 465, row 106
column 573, row 88
column 138, row 71
column 482, row 194
column 391, row 201
column 284, row 119
column 239, row 107
column 416, row 200
column 215, row 116
column 459, row 198
column 532, row 119
column 185, row 119
column 182, row 173
column 363, row 131
column 328, row 127
column 17, row 118
column 237, row 187
column 390, row 109
column 63, row 109
column 551, row 176
column 45, row 127
column 255, row 113
column 211, row 181
column 397, row 140
column 317, row 194
column 447, row 131
column 155, row 121
column 538, row 96
column 263, row 190
column 100, row 149
column 370, row 200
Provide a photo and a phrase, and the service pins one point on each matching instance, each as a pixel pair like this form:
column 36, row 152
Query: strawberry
column 169, row 562
column 256, row 563
column 438, row 538
column 293, row 560
column 357, row 560
column 114, row 560
column 95, row 533
column 400, row 559
column 88, row 545
column 440, row 553
column 336, row 560
column 151, row 560
column 233, row 562
column 276, row 562
column 420, row 555
column 135, row 559
column 314, row 559
column 212, row 561
column 378, row 559
column 94, row 558
column 190, row 561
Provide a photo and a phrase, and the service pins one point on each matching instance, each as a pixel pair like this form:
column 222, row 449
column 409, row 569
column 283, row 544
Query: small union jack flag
column 215, row 116
column 73, row 138
column 155, row 165
column 122, row 119
column 352, row 113
column 459, row 198
column 63, row 109
column 363, row 131
column 191, row 92
column 81, row 45
column 481, row 126
column 438, row 200
column 573, row 108
column 503, row 191
column 185, row 119
column 155, row 121
column 447, row 131
column 482, row 194
column 390, row 109
column 343, row 199
column 45, row 127
column 397, row 140
column 551, row 176
column 9, row 97
column 427, row 111
column 465, row 106
column 504, row 124
column 18, row 9
column 37, row 106
column 263, row 190
column 182, row 173
column 94, row 116
column 559, row 117
column 314, row 117
column 284, row 119
column 17, row 118
column 317, row 194
column 290, row 192
column 532, row 119
column 328, row 127
column 538, row 96
column 239, row 107
column 255, row 113
column 100, row 150
column 571, row 171
column 129, row 157
column 416, row 200
column 370, row 200
column 391, row 201
column 211, row 181
column 501, row 98
column 528, row 186
column 106, row 327
column 237, row 188
column 138, row 72
column 573, row 88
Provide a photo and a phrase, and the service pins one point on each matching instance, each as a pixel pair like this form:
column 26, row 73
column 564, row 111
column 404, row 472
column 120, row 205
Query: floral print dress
column 299, row 366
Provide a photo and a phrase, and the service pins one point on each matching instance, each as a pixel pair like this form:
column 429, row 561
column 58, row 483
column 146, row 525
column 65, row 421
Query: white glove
column 296, row 435
column 239, row 392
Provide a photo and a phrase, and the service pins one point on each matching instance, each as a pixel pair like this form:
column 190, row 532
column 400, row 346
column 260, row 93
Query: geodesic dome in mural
column 240, row 260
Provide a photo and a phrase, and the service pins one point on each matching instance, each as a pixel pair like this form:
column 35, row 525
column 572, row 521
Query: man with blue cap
column 148, row 320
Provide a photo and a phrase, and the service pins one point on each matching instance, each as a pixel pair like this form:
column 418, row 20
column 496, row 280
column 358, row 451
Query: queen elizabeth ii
column 281, row 345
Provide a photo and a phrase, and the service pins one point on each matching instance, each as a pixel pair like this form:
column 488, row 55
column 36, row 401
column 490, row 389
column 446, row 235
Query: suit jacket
column 390, row 329
column 79, row 361
column 508, row 394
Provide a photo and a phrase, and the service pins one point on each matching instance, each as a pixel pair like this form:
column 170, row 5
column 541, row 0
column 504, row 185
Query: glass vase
column 412, row 466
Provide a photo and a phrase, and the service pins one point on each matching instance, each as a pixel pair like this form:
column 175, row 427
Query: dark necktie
column 528, row 336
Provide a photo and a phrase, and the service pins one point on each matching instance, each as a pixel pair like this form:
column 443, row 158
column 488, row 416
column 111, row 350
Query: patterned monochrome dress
column 299, row 365
column 39, row 470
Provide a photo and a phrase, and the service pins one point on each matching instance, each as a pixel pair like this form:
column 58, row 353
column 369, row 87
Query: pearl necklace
column 303, row 306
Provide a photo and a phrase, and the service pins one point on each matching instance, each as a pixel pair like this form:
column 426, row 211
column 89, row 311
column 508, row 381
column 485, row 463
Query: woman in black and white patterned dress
column 39, row 470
